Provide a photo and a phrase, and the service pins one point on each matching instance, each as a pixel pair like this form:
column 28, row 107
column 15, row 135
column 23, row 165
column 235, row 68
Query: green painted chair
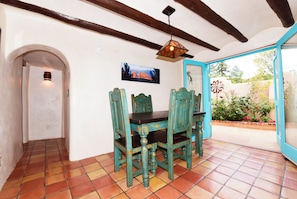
column 141, row 103
column 179, row 131
column 195, row 129
column 127, row 147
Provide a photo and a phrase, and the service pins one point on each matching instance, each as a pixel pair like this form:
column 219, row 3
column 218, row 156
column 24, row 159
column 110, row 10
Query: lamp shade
column 47, row 76
column 172, row 49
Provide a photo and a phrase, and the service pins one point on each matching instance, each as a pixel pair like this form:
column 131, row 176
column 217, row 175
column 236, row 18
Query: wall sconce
column 47, row 76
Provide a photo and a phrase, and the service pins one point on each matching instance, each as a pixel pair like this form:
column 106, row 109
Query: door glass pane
column 194, row 75
column 289, row 62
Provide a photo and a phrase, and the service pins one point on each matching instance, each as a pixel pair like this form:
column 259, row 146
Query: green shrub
column 236, row 108
column 232, row 108
column 260, row 111
column 219, row 110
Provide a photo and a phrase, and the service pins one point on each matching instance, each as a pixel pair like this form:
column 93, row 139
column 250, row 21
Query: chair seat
column 135, row 138
column 157, row 135
column 161, row 136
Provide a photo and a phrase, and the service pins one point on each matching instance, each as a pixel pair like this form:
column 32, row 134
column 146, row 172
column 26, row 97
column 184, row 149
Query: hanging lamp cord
column 170, row 28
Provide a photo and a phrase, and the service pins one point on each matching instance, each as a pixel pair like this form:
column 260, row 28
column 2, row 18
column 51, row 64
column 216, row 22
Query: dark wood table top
column 156, row 116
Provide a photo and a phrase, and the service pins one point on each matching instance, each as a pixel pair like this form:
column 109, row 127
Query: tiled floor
column 225, row 171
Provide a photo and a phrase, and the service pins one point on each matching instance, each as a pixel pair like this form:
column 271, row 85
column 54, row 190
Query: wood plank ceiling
column 280, row 7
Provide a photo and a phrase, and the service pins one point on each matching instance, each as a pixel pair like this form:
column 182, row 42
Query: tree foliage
column 219, row 69
column 263, row 61
column 236, row 75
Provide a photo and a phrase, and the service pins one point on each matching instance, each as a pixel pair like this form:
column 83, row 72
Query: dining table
column 144, row 123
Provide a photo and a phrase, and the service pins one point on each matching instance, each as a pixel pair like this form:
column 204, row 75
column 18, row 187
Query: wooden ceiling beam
column 83, row 24
column 136, row 15
column 283, row 11
column 212, row 17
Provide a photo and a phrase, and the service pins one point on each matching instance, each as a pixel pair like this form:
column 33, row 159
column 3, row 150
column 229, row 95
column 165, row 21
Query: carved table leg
column 144, row 154
column 200, row 135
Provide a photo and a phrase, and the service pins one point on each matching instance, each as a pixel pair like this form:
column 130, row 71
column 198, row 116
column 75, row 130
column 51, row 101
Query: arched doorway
column 45, row 104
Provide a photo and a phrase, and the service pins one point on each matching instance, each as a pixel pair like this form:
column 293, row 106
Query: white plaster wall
column 11, row 148
column 45, row 105
column 227, row 87
column 25, row 97
column 10, row 110
column 241, row 89
column 99, row 73
column 95, row 69
column 66, row 107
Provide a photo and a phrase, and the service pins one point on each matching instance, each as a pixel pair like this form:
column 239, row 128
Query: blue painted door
column 286, row 87
column 196, row 78
column 276, row 98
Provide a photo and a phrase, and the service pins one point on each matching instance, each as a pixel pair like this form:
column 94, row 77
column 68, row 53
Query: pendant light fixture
column 172, row 48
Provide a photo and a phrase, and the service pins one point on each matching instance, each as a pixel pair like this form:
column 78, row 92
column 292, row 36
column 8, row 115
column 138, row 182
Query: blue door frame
column 288, row 150
column 276, row 99
column 207, row 130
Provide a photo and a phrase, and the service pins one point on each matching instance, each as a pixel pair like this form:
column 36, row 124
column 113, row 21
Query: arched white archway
column 45, row 58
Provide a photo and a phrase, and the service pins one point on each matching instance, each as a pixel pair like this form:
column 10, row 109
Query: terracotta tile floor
column 225, row 171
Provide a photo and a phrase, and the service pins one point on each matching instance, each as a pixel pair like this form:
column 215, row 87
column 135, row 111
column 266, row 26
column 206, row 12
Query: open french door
column 276, row 98
column 285, row 79
column 196, row 78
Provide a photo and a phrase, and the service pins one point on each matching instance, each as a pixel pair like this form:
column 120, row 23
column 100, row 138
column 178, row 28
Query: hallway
column 225, row 171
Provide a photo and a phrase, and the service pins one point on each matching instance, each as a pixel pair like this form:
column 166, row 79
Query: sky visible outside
column 244, row 63
column 289, row 58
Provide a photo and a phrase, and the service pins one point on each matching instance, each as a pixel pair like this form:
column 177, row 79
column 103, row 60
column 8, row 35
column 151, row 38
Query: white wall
column 45, row 105
column 10, row 115
column 94, row 62
column 97, row 73
column 241, row 89
column 25, row 121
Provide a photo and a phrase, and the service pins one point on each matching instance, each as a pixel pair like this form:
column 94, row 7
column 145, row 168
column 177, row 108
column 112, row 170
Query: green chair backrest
column 180, row 111
column 120, row 116
column 141, row 103
column 197, row 102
